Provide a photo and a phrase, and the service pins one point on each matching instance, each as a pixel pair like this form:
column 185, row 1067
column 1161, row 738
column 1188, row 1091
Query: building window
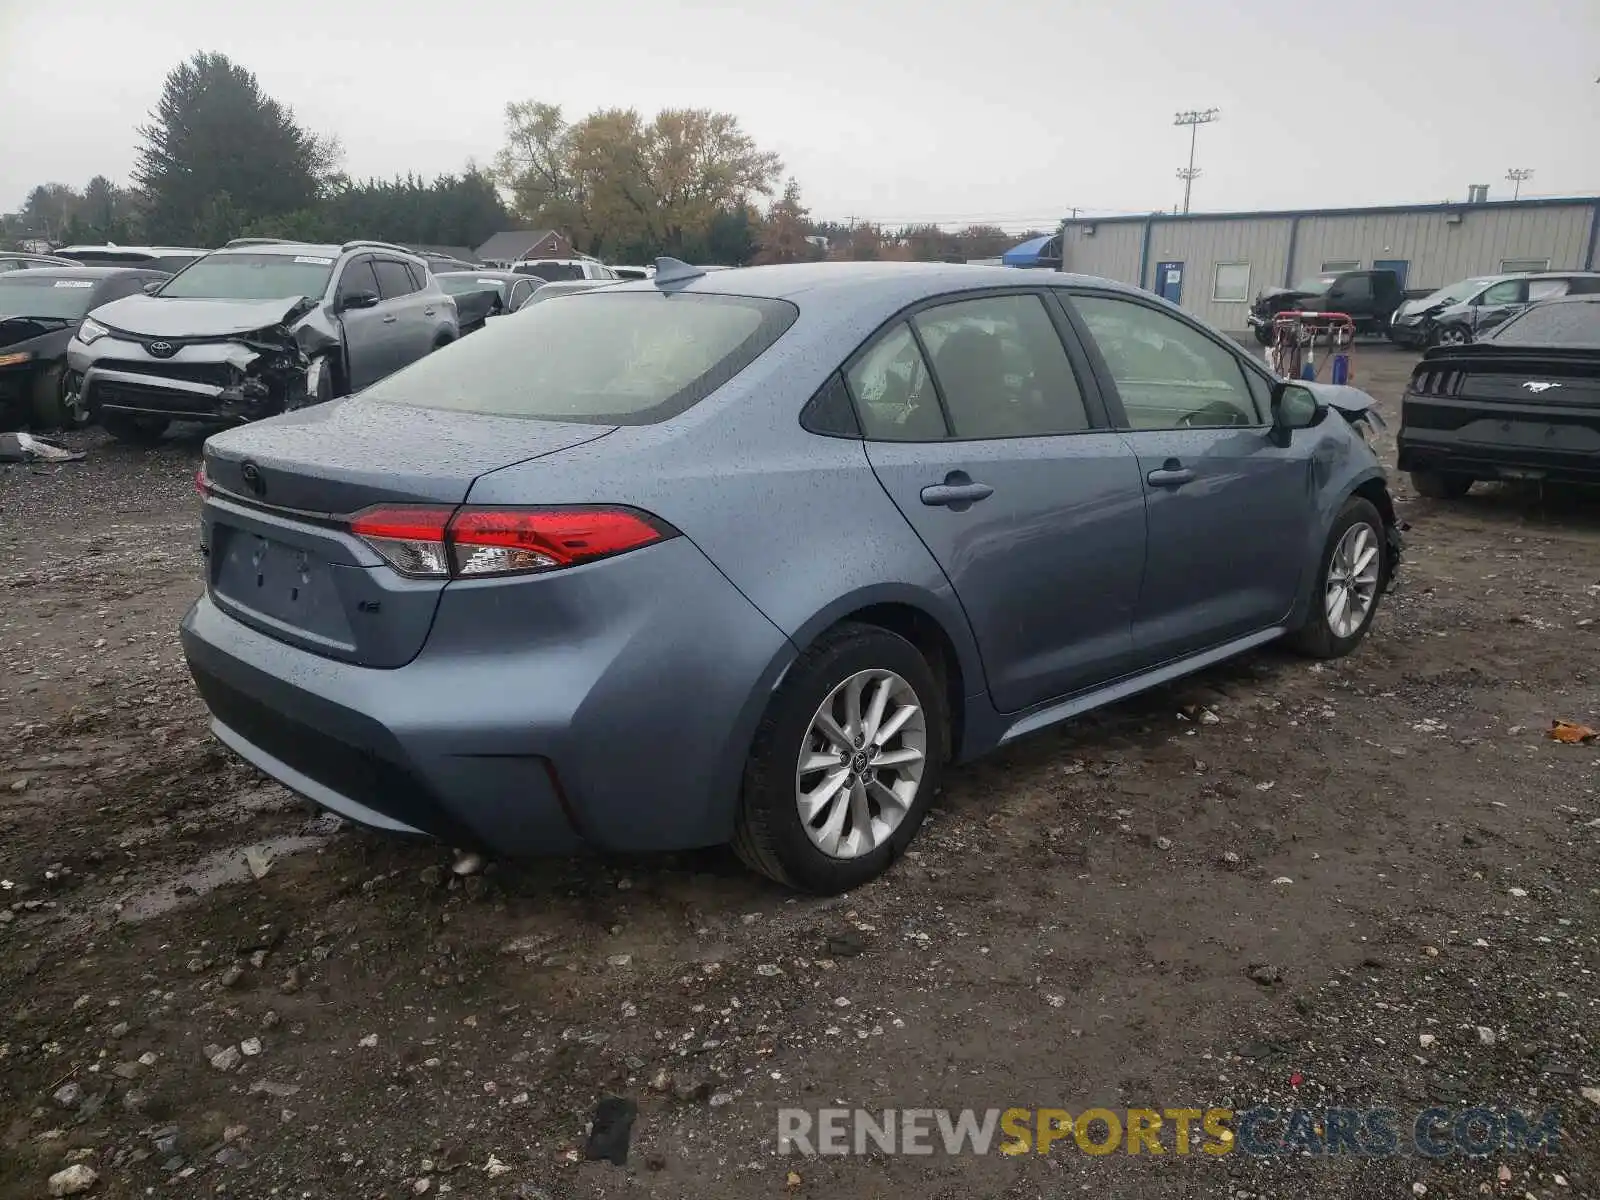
column 1232, row 282
column 1514, row 266
column 1341, row 264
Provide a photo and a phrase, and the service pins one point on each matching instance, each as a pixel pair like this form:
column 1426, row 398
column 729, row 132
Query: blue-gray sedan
column 749, row 556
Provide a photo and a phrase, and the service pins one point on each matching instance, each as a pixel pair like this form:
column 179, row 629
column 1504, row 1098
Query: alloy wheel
column 1352, row 580
column 861, row 763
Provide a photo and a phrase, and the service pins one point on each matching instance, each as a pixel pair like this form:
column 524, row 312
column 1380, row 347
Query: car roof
column 110, row 249
column 288, row 248
column 1585, row 298
column 878, row 284
column 95, row 273
column 496, row 273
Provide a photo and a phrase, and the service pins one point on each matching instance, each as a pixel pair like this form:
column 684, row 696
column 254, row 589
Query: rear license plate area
column 282, row 586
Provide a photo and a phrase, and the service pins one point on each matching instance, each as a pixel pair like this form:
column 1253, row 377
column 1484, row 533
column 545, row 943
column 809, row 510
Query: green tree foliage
column 219, row 153
column 49, row 209
column 785, row 229
column 453, row 210
column 623, row 187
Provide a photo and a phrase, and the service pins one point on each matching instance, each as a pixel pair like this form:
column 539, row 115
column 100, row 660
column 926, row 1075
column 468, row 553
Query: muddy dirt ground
column 1101, row 916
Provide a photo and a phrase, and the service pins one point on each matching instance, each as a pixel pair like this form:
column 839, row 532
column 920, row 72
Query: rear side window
column 1569, row 324
column 1002, row 368
column 419, row 276
column 606, row 359
column 893, row 390
column 393, row 278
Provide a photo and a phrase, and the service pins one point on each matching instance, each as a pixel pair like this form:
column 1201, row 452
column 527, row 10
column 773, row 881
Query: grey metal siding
column 1439, row 248
column 1200, row 245
column 1111, row 251
column 1441, row 251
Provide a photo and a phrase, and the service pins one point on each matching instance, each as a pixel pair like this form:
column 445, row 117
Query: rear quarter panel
column 796, row 521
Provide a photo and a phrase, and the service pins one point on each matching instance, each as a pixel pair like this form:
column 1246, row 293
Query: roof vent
column 1477, row 193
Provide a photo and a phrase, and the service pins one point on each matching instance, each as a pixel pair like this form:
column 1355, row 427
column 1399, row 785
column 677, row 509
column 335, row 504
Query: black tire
column 136, row 431
column 1441, row 485
column 1264, row 334
column 1316, row 637
column 769, row 834
column 1450, row 335
column 49, row 400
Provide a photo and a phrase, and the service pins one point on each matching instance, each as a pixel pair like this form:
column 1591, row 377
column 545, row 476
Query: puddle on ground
column 225, row 867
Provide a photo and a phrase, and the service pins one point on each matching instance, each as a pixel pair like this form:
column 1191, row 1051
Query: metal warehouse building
column 1213, row 264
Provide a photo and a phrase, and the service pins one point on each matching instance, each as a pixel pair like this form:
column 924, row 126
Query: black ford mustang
column 40, row 309
column 1523, row 403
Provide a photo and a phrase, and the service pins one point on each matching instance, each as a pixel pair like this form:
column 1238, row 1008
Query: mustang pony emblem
column 1536, row 386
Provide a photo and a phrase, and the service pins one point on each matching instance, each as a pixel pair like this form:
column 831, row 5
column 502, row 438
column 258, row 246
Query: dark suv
column 253, row 329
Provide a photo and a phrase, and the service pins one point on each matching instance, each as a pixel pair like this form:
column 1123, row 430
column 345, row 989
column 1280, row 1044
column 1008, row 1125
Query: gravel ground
column 1364, row 884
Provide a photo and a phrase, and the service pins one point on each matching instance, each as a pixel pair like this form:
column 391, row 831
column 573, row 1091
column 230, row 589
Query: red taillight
column 202, row 483
column 436, row 543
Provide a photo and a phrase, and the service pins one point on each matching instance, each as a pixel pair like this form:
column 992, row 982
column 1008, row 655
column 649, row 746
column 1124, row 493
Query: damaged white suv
column 259, row 327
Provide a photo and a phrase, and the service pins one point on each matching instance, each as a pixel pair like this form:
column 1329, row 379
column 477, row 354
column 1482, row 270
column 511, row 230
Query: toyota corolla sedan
column 751, row 556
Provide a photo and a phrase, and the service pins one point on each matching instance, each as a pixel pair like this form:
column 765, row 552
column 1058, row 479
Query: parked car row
column 1451, row 315
column 1465, row 311
column 440, row 605
column 149, row 335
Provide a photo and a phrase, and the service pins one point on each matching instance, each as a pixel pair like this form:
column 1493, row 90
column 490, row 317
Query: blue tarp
column 1036, row 252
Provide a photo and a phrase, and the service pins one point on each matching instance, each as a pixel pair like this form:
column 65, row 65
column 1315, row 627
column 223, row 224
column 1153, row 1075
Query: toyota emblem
column 252, row 478
column 161, row 349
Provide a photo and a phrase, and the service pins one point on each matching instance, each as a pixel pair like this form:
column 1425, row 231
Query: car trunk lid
column 280, row 556
column 1544, row 399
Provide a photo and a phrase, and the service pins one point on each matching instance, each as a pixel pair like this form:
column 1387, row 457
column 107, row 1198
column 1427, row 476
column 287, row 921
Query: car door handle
column 390, row 319
column 957, row 491
column 1170, row 474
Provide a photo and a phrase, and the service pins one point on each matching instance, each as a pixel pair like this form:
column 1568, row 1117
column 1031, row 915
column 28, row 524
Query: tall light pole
column 1516, row 175
column 1193, row 119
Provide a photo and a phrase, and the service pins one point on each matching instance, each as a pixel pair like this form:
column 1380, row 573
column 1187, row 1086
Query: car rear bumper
column 623, row 733
column 1557, row 453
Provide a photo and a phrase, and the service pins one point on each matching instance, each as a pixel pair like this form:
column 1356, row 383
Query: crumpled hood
column 159, row 316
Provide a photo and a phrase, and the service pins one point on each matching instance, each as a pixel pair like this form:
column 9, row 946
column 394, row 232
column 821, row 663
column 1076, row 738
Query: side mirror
column 1294, row 407
column 358, row 300
column 154, row 286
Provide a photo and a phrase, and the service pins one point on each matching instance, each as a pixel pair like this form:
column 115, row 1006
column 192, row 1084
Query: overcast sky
column 1010, row 111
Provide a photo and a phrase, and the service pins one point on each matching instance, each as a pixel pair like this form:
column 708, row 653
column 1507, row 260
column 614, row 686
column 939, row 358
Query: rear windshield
column 617, row 358
column 110, row 258
column 172, row 263
column 235, row 276
column 550, row 270
column 457, row 284
column 1548, row 325
column 24, row 294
